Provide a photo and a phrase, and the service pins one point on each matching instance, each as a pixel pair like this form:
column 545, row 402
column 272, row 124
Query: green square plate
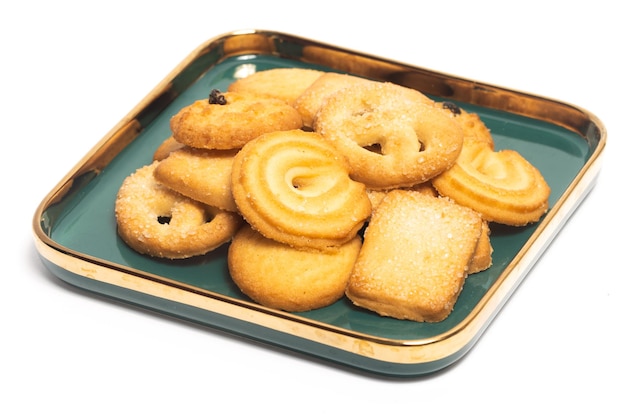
column 75, row 228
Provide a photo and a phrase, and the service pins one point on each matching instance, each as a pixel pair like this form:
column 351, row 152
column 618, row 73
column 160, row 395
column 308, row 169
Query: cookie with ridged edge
column 295, row 188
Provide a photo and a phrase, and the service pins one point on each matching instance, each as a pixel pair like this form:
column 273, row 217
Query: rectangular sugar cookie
column 415, row 257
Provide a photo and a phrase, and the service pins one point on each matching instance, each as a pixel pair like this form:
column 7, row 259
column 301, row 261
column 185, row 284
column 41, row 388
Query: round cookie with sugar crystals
column 157, row 221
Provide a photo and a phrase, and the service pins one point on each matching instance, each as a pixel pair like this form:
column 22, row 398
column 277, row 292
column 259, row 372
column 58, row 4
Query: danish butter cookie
column 230, row 120
column 473, row 127
column 376, row 196
column 201, row 174
column 415, row 256
column 282, row 83
column 295, row 188
column 312, row 99
column 280, row 276
column 168, row 146
column 156, row 221
column 482, row 259
column 392, row 136
column 501, row 185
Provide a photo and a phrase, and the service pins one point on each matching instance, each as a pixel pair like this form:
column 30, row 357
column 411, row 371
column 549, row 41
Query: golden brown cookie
column 168, row 146
column 312, row 99
column 282, row 83
column 230, row 120
column 501, row 185
column 200, row 174
column 482, row 260
column 392, row 136
column 279, row 276
column 415, row 256
column 473, row 127
column 376, row 196
column 293, row 187
column 156, row 221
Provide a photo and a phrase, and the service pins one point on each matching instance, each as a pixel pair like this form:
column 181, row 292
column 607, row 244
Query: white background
column 71, row 70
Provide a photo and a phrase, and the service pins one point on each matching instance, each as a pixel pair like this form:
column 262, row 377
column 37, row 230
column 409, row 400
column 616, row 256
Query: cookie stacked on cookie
column 336, row 186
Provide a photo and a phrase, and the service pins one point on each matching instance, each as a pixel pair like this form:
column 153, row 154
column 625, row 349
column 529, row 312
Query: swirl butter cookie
column 295, row 188
column 501, row 185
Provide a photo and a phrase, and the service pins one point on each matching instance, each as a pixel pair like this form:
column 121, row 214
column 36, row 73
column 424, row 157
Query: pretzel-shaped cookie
column 156, row 221
column 392, row 136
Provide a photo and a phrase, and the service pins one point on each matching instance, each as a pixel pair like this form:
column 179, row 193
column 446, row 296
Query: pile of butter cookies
column 327, row 185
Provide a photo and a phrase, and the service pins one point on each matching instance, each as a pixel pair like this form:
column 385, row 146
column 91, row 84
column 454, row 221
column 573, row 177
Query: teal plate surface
column 77, row 222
